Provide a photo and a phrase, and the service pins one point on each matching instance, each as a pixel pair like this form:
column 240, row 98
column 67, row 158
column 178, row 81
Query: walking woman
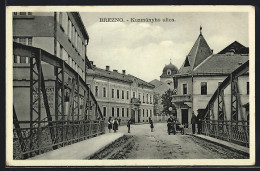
column 110, row 123
column 115, row 125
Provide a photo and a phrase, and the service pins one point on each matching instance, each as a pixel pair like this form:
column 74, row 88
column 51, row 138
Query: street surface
column 160, row 145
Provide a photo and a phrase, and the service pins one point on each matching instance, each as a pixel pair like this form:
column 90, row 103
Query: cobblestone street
column 160, row 145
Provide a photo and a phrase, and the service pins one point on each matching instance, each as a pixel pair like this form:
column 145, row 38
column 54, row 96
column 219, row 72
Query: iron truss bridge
column 224, row 117
column 76, row 115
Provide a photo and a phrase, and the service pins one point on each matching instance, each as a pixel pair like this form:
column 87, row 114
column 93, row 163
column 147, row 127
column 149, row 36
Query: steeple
column 198, row 53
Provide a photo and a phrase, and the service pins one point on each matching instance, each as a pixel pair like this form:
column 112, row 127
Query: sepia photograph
column 130, row 85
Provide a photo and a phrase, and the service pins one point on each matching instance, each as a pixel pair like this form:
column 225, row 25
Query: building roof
column 139, row 81
column 160, row 87
column 198, row 53
column 236, row 48
column 220, row 64
column 98, row 72
column 156, row 82
column 171, row 67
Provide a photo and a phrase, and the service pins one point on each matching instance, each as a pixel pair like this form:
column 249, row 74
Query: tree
column 167, row 102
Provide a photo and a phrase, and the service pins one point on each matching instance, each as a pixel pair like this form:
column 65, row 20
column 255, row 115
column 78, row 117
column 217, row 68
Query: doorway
column 133, row 115
column 184, row 117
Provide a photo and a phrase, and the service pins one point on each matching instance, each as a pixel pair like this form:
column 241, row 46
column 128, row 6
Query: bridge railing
column 66, row 133
column 234, row 132
column 68, row 121
column 227, row 120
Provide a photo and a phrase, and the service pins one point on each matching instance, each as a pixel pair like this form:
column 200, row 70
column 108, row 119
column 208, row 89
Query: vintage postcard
column 130, row 85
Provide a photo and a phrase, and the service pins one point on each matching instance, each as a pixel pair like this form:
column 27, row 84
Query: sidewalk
column 80, row 150
column 222, row 143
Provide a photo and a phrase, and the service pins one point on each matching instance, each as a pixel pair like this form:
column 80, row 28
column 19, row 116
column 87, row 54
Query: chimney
column 123, row 71
column 115, row 70
column 107, row 68
column 212, row 51
column 91, row 62
column 94, row 66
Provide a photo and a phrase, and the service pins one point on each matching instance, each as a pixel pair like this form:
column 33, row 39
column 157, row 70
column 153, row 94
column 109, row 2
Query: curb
column 233, row 147
column 101, row 149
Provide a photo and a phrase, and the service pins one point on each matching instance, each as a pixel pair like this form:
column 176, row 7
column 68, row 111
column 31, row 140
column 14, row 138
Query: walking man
column 199, row 122
column 193, row 122
column 128, row 125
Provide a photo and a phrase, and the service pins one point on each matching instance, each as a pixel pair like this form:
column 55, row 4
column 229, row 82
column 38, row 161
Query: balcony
column 135, row 101
column 181, row 98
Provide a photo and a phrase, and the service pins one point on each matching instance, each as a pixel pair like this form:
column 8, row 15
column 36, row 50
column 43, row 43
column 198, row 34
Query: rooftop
column 115, row 75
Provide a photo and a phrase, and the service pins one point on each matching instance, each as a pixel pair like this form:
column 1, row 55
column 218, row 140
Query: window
column 113, row 112
column 117, row 93
column 247, row 88
column 187, row 63
column 147, row 112
column 147, row 98
column 184, row 89
column 104, row 92
column 143, row 98
column 23, row 40
column 23, row 59
column 22, row 13
column 16, row 59
column 168, row 72
column 96, row 91
column 117, row 113
column 127, row 112
column 123, row 112
column 150, row 99
column 143, row 112
column 150, row 113
column 139, row 95
column 123, row 93
column 133, row 94
column 104, row 111
column 203, row 88
column 127, row 95
column 113, row 93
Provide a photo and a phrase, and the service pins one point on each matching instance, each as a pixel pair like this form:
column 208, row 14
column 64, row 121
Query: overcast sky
column 143, row 48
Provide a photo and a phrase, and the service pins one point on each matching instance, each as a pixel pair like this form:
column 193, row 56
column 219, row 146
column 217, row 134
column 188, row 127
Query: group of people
column 196, row 120
column 114, row 123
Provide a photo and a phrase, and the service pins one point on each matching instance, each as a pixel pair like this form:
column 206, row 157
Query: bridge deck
column 80, row 150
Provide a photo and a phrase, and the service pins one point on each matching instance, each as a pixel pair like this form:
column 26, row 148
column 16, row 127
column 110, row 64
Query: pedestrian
column 170, row 122
column 128, row 125
column 193, row 122
column 199, row 122
column 119, row 121
column 151, row 125
column 109, row 123
column 115, row 125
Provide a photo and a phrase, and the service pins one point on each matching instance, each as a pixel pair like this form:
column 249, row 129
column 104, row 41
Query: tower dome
column 169, row 70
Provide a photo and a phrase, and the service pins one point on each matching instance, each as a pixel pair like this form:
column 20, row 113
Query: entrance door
column 184, row 117
column 133, row 116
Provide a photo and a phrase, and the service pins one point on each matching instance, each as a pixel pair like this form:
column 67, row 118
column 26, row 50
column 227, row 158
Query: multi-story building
column 61, row 34
column 121, row 95
column 202, row 72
